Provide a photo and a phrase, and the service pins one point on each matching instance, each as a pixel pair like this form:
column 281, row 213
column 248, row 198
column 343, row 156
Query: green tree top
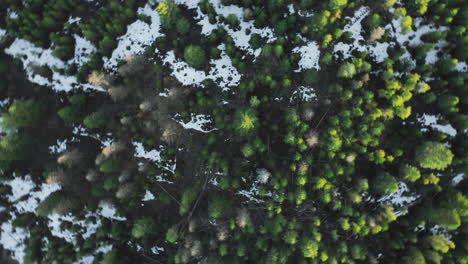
column 433, row 155
column 195, row 56
column 23, row 113
column 246, row 121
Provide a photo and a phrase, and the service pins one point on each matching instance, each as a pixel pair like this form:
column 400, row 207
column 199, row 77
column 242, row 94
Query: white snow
column 2, row 33
column 139, row 35
column 88, row 228
column 148, row 196
column 431, row 57
column 240, row 37
column 458, row 178
column 12, row 239
column 377, row 49
column 109, row 211
column 21, row 187
column 399, row 197
column 183, row 72
column 60, row 147
column 31, row 55
column 263, row 175
column 222, row 71
column 413, row 38
column 432, row 121
column 83, row 49
column 303, row 93
column 85, row 260
column 157, row 250
column 12, row 15
column 461, row 67
column 197, row 123
column 73, row 20
column 310, row 55
column 35, row 198
column 140, row 152
column 90, row 259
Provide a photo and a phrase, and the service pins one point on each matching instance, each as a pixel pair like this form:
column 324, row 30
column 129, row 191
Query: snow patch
column 222, row 72
column 83, row 49
column 60, row 147
column 431, row 121
column 197, row 123
column 32, row 56
column 109, row 211
column 88, row 228
column 148, row 196
column 2, row 33
column 461, row 67
column 13, row 239
column 310, row 55
column 458, row 178
column 376, row 49
column 153, row 155
column 240, row 37
column 304, row 93
column 399, row 197
column 139, row 35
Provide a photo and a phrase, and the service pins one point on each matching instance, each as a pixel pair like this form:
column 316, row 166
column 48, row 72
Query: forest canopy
column 233, row 131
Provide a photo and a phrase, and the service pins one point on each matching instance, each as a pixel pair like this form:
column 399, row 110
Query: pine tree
column 195, row 56
column 433, row 155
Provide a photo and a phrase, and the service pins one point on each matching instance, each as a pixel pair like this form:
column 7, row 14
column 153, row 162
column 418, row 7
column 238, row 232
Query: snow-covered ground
column 221, row 71
column 310, row 55
column 432, row 121
column 140, row 35
column 197, row 123
column 24, row 199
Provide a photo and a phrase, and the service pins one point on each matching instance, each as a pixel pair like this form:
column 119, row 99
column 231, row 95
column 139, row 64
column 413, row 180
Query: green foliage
column 195, row 56
column 337, row 4
column 299, row 164
column 183, row 26
column 414, row 256
column 246, row 121
column 169, row 13
column 143, row 227
column 448, row 103
column 15, row 146
column 47, row 206
column 433, row 155
column 110, row 165
column 406, row 24
column 111, row 257
column 95, row 120
column 70, row 114
column 310, row 249
column 441, row 244
column 410, row 173
column 385, row 183
column 22, row 114
column 374, row 21
column 216, row 208
column 172, row 235
column 311, row 76
column 445, row 217
column 347, row 71
column 188, row 197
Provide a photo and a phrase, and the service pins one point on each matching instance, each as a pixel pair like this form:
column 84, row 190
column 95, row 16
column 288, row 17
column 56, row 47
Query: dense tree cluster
column 271, row 177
